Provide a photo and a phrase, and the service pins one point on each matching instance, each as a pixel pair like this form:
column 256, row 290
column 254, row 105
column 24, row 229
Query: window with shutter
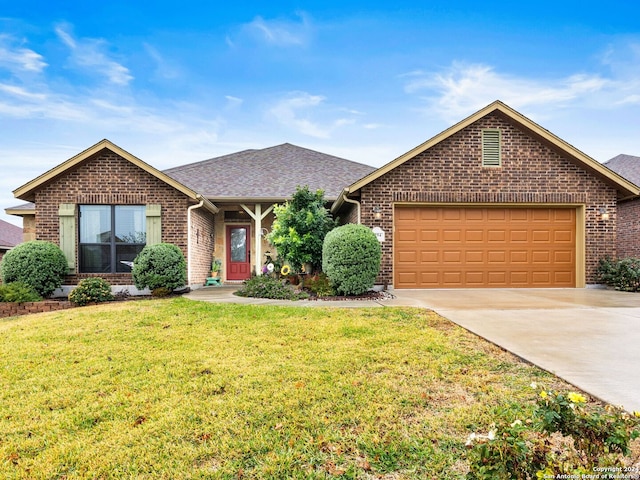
column 491, row 154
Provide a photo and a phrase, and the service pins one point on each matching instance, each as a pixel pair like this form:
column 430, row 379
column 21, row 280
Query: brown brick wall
column 202, row 238
column 107, row 178
column 531, row 172
column 628, row 233
column 11, row 309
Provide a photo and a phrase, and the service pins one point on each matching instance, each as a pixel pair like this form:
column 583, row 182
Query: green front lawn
column 181, row 389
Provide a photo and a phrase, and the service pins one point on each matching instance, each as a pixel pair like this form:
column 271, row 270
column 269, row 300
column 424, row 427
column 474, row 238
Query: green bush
column 18, row 292
column 351, row 259
column 42, row 265
column 160, row 265
column 91, row 290
column 319, row 284
column 299, row 228
column 265, row 286
column 623, row 274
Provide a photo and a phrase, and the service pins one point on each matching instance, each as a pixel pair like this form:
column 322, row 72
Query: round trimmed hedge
column 40, row 264
column 160, row 265
column 351, row 259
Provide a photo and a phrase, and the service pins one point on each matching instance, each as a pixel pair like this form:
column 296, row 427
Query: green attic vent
column 491, row 156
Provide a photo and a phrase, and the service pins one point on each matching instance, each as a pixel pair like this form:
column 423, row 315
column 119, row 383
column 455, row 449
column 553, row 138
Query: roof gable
column 572, row 153
column 269, row 174
column 26, row 192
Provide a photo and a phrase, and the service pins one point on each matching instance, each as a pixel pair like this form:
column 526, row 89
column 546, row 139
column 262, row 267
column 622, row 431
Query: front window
column 111, row 236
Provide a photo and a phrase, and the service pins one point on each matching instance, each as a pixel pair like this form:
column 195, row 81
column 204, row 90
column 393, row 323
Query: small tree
column 40, row 264
column 299, row 228
column 351, row 259
column 160, row 266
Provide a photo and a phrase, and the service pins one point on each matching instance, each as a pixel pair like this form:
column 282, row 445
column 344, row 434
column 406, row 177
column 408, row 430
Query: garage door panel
column 540, row 256
column 497, row 279
column 451, row 247
column 474, row 256
column 451, row 256
column 430, row 256
column 540, row 236
column 451, row 236
column 496, row 236
column 563, row 257
column 498, row 214
column 406, row 236
column 429, row 236
column 563, row 236
column 519, row 256
column 474, row 236
column 407, row 256
column 518, row 236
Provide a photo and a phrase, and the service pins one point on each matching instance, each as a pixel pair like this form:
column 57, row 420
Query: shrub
column 319, row 284
column 299, row 228
column 42, row 265
column 160, row 265
column 264, row 286
column 91, row 290
column 563, row 438
column 18, row 292
column 623, row 274
column 351, row 259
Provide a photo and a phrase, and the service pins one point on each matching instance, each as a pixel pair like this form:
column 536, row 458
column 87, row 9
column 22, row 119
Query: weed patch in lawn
column 180, row 389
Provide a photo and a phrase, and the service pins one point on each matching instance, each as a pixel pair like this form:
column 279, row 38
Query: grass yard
column 182, row 389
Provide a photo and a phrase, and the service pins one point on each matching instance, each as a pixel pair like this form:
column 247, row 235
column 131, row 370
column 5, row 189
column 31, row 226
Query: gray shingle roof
column 10, row 235
column 627, row 166
column 270, row 173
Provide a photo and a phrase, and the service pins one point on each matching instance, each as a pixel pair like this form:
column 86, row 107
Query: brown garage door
column 465, row 247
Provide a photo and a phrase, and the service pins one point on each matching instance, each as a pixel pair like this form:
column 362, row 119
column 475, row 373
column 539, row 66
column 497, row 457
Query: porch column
column 258, row 215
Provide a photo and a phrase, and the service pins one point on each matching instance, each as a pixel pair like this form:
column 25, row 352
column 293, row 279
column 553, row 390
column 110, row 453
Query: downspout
column 355, row 202
column 189, row 249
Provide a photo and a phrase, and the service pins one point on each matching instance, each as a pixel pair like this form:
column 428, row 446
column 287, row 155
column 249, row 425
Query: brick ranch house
column 493, row 201
column 104, row 204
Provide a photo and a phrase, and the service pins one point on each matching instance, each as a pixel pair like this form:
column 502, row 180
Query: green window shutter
column 67, row 219
column 491, row 154
column 154, row 224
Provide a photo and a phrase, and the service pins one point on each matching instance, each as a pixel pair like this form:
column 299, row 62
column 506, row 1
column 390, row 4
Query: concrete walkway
column 588, row 337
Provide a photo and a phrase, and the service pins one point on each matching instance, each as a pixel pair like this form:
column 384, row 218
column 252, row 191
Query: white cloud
column 21, row 93
column 233, row 102
column 280, row 32
column 87, row 54
column 17, row 59
column 294, row 112
column 464, row 88
column 164, row 68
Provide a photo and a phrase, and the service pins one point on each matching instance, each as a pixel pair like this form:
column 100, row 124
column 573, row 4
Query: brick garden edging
column 10, row 309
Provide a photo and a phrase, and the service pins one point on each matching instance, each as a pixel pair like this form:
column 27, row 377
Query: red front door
column 238, row 256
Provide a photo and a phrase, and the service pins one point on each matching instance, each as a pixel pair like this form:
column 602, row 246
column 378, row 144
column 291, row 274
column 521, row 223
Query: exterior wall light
column 604, row 215
column 377, row 212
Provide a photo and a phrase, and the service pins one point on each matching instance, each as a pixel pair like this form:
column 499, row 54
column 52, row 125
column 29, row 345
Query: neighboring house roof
column 627, row 166
column 269, row 174
column 28, row 208
column 27, row 191
column 10, row 235
column 573, row 154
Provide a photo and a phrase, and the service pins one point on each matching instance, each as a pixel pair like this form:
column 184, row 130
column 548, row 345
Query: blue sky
column 176, row 82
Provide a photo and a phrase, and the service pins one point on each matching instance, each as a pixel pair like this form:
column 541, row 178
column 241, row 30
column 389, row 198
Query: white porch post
column 258, row 215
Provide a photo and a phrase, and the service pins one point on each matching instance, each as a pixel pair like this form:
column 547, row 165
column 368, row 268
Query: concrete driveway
column 589, row 337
